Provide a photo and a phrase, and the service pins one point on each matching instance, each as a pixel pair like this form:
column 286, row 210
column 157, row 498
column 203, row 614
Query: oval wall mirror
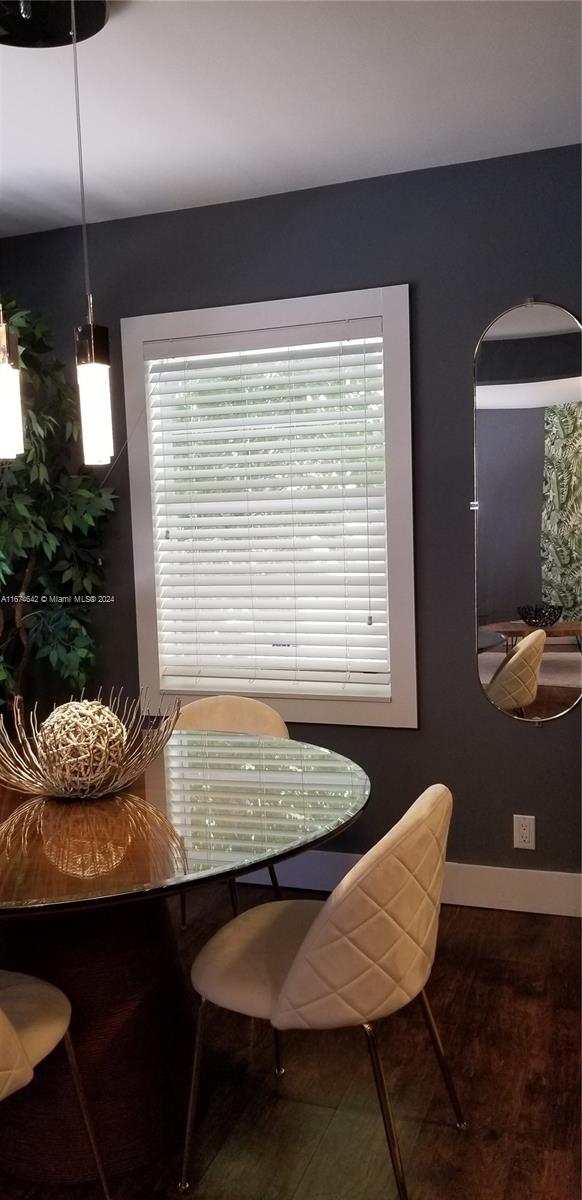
column 528, row 491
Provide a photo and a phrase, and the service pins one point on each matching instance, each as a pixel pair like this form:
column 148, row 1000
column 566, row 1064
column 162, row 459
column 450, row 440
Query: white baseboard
column 554, row 892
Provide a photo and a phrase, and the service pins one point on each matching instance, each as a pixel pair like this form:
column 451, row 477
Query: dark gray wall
column 471, row 240
column 510, row 476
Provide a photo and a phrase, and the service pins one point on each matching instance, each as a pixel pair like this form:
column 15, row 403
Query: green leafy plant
column 52, row 518
column 561, row 539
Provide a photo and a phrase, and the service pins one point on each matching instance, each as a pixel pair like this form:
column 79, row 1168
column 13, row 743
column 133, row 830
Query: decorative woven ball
column 80, row 743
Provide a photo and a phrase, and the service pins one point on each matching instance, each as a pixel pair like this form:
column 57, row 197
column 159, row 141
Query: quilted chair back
column 515, row 682
column 232, row 714
column 371, row 948
column 15, row 1069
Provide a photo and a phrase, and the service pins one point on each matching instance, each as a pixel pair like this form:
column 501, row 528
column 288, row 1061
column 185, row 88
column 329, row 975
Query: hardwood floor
column 505, row 993
column 552, row 700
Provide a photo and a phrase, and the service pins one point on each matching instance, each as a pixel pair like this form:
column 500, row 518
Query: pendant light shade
column 91, row 341
column 11, row 429
column 56, row 23
column 92, row 351
column 46, row 23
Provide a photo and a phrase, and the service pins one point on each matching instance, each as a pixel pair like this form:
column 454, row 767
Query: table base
column 119, row 967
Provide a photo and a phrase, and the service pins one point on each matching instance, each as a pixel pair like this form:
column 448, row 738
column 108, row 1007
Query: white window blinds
column 269, row 511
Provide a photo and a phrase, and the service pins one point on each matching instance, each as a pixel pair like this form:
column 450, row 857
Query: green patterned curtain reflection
column 561, row 538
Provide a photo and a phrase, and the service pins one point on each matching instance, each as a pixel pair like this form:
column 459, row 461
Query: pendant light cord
column 81, row 173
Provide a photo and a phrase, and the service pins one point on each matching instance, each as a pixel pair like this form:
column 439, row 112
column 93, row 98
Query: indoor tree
column 52, row 518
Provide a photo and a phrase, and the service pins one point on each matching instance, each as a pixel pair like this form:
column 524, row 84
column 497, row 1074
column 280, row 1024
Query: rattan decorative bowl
column 539, row 616
column 84, row 749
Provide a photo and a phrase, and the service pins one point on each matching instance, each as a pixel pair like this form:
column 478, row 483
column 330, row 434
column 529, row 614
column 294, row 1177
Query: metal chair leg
column 82, row 1101
column 388, row 1119
column 279, row 1068
column 442, row 1059
column 183, row 1185
column 275, row 882
column 233, row 896
column 183, row 919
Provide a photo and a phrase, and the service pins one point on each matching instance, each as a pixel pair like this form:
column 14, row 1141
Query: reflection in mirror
column 528, row 466
column 121, row 835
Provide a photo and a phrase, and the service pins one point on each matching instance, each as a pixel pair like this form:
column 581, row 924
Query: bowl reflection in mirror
column 540, row 616
column 85, row 839
column 84, row 748
column 89, row 839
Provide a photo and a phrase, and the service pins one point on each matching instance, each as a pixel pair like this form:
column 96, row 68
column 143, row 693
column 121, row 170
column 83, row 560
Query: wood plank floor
column 505, row 992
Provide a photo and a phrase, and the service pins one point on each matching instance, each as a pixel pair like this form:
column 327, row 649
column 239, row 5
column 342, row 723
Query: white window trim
column 392, row 305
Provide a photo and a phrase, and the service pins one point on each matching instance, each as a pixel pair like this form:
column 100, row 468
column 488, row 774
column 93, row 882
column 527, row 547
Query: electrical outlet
column 524, row 832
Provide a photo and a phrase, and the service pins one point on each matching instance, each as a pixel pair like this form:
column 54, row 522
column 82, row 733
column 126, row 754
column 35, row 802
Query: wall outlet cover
column 524, row 832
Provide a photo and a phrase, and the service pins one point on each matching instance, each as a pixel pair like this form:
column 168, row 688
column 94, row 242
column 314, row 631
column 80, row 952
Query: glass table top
column 212, row 804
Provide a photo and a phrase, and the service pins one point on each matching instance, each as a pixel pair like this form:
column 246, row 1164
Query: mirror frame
column 474, row 508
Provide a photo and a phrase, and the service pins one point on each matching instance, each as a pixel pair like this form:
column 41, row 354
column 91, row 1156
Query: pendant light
column 91, row 341
column 11, row 430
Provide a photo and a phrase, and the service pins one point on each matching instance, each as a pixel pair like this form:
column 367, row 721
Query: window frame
column 391, row 304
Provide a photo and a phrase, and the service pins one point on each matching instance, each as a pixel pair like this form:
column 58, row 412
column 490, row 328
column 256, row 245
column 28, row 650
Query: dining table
column 84, row 891
column 512, row 631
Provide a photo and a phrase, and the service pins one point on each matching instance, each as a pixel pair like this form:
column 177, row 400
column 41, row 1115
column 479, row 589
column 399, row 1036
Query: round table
column 82, row 904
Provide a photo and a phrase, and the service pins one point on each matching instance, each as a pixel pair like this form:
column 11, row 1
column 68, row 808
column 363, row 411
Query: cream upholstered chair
column 515, row 682
column 34, row 1018
column 233, row 714
column 362, row 954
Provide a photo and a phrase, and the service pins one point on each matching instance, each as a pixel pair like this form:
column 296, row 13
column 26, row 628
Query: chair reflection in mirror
column 515, row 683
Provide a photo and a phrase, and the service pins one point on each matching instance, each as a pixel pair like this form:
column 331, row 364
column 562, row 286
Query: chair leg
column 442, row 1060
column 275, row 882
column 279, row 1068
column 388, row 1119
column 82, row 1101
column 183, row 1185
column 183, row 920
column 233, row 896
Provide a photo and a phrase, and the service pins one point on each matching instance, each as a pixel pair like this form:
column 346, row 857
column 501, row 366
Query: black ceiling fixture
column 45, row 23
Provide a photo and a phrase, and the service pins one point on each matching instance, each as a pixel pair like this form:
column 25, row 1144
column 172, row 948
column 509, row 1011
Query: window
column 270, row 474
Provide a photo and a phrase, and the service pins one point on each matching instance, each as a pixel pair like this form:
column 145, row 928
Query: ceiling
column 191, row 103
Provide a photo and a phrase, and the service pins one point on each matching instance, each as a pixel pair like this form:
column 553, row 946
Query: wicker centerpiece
column 84, row 748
